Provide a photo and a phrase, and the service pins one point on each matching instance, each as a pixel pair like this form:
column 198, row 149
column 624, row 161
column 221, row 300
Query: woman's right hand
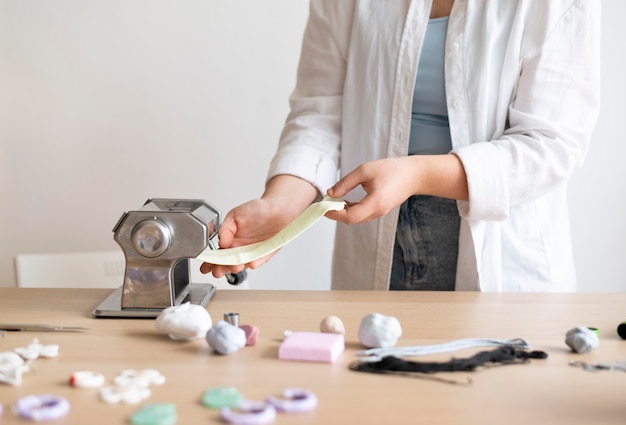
column 254, row 221
column 284, row 199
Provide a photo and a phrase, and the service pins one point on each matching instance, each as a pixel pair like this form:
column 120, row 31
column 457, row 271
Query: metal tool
column 595, row 367
column 37, row 327
column 232, row 318
column 158, row 241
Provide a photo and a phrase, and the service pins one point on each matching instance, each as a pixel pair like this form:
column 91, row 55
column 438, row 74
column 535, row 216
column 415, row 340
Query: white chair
column 94, row 269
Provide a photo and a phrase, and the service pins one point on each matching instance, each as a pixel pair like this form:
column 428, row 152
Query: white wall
column 106, row 103
column 597, row 194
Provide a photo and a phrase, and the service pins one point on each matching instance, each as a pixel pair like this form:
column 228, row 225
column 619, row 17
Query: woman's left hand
column 391, row 181
column 387, row 183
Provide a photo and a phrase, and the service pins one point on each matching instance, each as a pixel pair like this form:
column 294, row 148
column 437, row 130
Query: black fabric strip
column 501, row 355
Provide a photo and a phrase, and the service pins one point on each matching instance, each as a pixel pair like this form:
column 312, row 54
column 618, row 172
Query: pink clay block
column 311, row 346
column 252, row 333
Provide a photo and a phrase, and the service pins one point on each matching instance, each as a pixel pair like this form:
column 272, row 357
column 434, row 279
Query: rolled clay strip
column 247, row 253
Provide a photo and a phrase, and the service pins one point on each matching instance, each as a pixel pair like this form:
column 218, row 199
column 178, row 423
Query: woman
column 520, row 95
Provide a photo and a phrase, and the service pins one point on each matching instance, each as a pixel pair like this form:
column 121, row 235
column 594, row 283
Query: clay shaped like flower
column 131, row 386
column 226, row 338
column 131, row 394
column 141, row 378
column 12, row 366
column 379, row 331
column 185, row 321
column 35, row 350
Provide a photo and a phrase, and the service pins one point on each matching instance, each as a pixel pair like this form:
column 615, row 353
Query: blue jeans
column 426, row 246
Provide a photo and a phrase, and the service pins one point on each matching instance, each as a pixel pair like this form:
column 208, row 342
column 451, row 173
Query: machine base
column 195, row 293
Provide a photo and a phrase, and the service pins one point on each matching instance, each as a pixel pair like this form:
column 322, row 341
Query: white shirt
column 522, row 87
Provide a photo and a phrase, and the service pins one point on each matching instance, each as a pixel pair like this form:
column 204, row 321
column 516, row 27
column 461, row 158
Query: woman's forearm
column 441, row 175
column 291, row 193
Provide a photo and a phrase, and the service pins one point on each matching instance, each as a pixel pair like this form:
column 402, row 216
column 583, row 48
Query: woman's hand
column 387, row 182
column 284, row 199
column 254, row 221
column 391, row 181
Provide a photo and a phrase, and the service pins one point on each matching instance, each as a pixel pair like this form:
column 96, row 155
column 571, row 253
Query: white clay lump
column 184, row 322
column 379, row 331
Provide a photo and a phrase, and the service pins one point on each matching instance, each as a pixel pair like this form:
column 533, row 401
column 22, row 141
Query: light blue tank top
column 430, row 130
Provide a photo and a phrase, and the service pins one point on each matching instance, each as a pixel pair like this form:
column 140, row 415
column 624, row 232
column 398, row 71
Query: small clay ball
column 581, row 339
column 332, row 325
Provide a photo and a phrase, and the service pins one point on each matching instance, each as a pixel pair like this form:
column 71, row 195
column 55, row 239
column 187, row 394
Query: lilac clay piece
column 42, row 407
column 226, row 338
column 294, row 400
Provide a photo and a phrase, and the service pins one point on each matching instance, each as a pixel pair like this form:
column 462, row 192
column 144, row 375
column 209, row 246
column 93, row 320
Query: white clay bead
column 226, row 338
column 333, row 325
column 185, row 321
column 379, row 331
column 86, row 379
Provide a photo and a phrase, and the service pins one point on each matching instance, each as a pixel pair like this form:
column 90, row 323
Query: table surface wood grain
column 546, row 391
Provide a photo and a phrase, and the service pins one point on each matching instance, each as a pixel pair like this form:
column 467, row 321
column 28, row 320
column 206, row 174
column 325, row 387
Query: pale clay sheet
column 248, row 253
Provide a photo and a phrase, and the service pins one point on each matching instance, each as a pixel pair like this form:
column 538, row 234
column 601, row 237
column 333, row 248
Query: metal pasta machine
column 159, row 240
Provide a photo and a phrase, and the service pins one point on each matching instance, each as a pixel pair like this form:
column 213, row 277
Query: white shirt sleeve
column 551, row 115
column 310, row 142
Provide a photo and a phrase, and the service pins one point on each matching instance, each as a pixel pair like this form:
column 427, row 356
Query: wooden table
column 542, row 392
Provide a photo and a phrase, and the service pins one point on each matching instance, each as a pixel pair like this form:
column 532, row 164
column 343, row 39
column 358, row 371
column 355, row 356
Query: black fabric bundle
column 501, row 355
